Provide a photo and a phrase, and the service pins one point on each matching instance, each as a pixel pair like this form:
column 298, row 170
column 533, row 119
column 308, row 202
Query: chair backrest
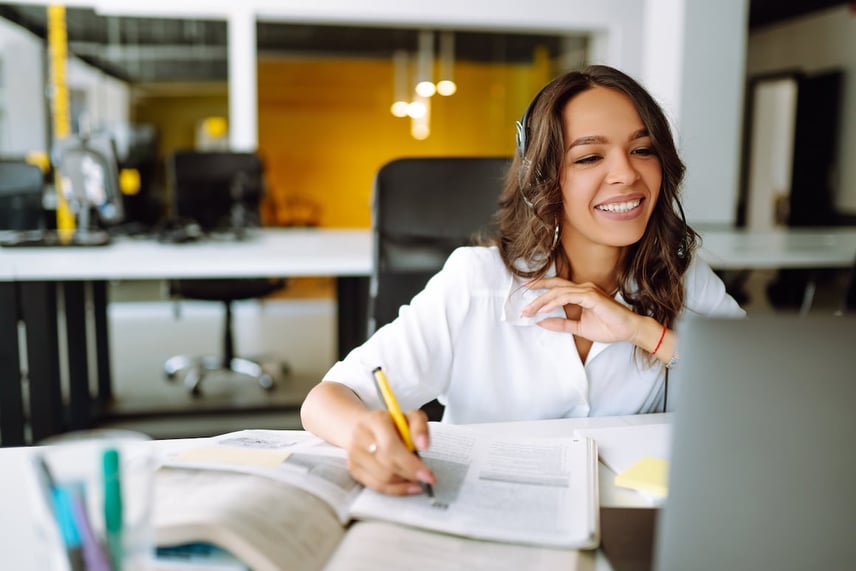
column 21, row 196
column 212, row 188
column 423, row 208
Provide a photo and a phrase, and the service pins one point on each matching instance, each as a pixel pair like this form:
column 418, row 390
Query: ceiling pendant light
column 400, row 63
column 446, row 86
column 425, row 64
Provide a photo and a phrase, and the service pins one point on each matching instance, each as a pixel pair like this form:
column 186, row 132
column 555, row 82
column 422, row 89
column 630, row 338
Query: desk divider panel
column 39, row 310
column 11, row 390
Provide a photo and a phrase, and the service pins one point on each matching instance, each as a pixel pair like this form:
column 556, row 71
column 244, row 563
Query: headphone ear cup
column 683, row 247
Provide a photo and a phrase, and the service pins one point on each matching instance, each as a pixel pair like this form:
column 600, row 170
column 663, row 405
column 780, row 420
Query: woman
column 568, row 313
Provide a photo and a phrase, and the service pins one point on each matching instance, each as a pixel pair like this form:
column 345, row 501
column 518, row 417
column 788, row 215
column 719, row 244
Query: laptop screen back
column 763, row 469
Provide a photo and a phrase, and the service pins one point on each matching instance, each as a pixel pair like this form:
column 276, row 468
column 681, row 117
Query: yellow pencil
column 394, row 410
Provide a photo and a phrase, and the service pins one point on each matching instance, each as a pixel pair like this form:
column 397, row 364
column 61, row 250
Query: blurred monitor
column 21, row 196
column 220, row 191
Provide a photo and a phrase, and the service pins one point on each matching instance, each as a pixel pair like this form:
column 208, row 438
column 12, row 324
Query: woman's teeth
column 619, row 206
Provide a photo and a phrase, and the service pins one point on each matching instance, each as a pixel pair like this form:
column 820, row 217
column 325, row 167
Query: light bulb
column 417, row 109
column 446, row 87
column 399, row 108
column 426, row 88
column 420, row 131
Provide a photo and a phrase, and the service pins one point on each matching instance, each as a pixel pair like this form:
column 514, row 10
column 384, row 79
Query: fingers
column 560, row 325
column 560, row 294
column 378, row 458
column 418, row 422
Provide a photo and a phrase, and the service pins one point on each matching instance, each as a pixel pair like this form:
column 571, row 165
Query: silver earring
column 555, row 237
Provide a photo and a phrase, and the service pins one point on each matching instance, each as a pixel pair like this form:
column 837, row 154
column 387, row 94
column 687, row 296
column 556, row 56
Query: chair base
column 196, row 368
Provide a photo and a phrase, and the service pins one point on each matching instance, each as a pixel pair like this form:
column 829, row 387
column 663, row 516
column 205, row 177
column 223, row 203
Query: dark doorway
column 816, row 138
column 816, row 150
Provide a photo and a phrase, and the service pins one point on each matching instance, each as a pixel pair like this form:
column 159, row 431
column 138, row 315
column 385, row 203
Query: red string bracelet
column 659, row 341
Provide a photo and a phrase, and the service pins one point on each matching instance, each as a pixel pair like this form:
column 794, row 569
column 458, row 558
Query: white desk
column 796, row 248
column 270, row 252
column 317, row 252
column 783, row 248
column 17, row 538
column 31, row 279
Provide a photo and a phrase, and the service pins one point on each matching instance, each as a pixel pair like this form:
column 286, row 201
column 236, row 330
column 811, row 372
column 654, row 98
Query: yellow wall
column 325, row 128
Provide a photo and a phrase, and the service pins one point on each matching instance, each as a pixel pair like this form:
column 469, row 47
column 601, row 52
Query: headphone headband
column 523, row 125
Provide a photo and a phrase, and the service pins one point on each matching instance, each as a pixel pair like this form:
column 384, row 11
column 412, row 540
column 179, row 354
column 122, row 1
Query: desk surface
column 269, row 252
column 332, row 252
column 17, row 534
column 797, row 248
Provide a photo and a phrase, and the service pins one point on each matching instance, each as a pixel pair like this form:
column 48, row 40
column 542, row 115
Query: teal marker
column 113, row 506
column 59, row 504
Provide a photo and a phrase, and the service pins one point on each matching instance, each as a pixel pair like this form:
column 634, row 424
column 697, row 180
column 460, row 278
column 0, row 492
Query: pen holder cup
column 91, row 498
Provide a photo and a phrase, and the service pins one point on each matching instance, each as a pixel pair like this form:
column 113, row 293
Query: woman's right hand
column 378, row 458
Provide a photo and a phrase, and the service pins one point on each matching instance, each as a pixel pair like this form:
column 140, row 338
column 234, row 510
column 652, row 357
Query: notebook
column 763, row 467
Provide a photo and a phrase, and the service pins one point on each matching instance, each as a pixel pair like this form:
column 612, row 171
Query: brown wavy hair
column 651, row 271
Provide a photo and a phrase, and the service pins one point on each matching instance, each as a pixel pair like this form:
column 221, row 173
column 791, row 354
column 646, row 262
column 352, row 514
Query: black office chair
column 217, row 192
column 21, row 190
column 423, row 208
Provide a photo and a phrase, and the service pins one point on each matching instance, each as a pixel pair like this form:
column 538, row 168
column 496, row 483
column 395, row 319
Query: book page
column 531, row 491
column 264, row 523
column 370, row 546
column 295, row 458
column 537, row 491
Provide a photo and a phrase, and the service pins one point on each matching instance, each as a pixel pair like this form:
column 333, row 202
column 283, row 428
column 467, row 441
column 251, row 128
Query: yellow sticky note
column 239, row 456
column 649, row 475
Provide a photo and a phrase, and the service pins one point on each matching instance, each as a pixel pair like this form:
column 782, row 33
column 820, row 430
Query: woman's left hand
column 601, row 318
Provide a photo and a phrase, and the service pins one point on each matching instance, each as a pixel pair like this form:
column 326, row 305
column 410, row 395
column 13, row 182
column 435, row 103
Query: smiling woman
column 566, row 312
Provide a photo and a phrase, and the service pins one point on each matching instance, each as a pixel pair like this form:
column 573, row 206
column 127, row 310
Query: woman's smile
column 621, row 210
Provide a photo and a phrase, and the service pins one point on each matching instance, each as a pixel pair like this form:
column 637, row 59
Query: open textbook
column 284, row 500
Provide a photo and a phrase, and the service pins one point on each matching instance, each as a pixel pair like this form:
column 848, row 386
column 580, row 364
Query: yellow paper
column 647, row 475
column 240, row 456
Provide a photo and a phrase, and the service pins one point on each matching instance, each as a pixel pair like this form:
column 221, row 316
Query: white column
column 694, row 62
column 663, row 60
column 243, row 83
column 711, row 124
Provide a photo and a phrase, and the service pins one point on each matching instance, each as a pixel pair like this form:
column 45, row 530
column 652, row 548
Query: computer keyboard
column 51, row 238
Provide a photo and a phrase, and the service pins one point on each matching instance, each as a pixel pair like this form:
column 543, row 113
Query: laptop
column 763, row 467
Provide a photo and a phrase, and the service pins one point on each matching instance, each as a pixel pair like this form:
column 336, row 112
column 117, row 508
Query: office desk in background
column 30, row 279
column 17, row 533
column 40, row 284
column 811, row 249
column 784, row 248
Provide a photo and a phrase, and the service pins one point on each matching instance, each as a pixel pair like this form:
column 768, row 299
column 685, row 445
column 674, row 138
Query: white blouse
column 462, row 340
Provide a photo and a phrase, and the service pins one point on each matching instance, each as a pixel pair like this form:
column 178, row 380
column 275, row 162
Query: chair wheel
column 266, row 382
